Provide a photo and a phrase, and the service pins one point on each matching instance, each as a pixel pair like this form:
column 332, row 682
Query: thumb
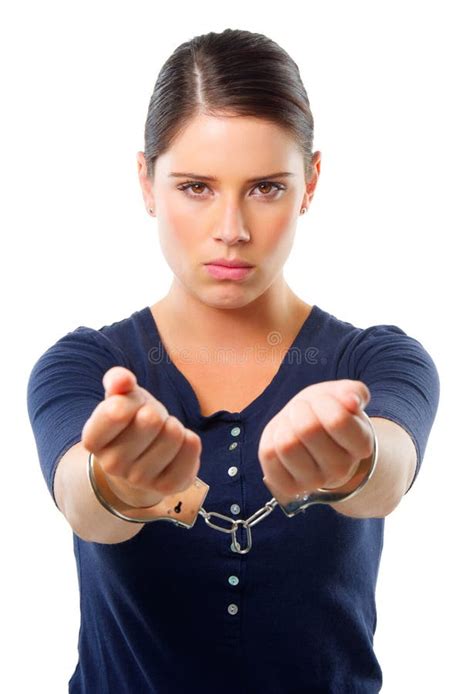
column 358, row 395
column 118, row 381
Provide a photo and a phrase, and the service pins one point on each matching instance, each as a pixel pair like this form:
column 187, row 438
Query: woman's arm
column 392, row 476
column 77, row 502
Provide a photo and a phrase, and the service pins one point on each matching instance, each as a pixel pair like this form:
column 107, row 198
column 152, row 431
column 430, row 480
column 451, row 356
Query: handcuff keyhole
column 177, row 508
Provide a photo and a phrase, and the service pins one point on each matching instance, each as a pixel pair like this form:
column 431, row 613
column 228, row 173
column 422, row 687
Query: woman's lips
column 221, row 272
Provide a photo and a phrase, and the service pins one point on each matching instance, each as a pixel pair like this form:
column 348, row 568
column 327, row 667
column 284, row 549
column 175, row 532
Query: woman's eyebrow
column 213, row 178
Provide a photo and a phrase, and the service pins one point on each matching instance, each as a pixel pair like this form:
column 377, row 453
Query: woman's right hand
column 145, row 453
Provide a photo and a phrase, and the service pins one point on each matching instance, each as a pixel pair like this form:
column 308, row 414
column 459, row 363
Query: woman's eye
column 194, row 186
column 187, row 186
column 268, row 184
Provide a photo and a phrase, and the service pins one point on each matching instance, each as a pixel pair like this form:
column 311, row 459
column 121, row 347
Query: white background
column 385, row 241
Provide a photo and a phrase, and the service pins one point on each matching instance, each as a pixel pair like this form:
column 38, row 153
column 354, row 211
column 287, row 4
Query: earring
column 303, row 210
column 150, row 210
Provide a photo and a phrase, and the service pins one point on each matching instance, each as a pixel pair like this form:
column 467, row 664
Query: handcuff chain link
column 252, row 520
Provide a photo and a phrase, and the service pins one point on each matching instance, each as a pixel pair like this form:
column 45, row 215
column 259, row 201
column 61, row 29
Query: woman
column 144, row 419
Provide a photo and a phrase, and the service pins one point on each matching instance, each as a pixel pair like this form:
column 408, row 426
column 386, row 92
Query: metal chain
column 247, row 524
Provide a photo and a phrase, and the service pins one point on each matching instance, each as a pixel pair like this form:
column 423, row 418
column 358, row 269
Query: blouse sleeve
column 402, row 378
column 64, row 387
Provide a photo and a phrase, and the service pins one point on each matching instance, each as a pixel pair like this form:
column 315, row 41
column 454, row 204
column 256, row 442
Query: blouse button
column 233, row 580
column 235, row 431
column 232, row 471
column 233, row 445
column 232, row 608
column 235, row 509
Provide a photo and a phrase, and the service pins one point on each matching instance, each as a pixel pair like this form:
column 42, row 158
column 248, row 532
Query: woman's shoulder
column 112, row 342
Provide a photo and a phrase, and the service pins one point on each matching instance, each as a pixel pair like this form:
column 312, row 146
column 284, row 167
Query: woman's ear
column 145, row 184
column 311, row 185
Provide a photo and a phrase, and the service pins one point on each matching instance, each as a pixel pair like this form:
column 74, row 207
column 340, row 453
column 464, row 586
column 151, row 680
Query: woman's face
column 231, row 216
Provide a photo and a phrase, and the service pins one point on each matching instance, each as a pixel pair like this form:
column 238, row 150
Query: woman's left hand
column 317, row 440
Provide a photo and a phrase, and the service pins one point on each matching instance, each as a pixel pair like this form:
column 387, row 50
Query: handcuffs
column 183, row 508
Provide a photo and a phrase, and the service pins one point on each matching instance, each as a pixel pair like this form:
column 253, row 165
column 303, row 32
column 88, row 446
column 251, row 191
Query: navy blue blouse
column 176, row 610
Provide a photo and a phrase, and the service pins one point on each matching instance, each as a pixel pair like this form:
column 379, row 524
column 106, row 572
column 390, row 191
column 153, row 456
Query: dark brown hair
column 233, row 73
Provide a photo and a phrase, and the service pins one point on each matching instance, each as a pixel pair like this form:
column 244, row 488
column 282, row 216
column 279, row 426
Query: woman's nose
column 231, row 226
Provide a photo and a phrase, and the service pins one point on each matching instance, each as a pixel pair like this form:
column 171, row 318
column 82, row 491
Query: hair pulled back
column 232, row 73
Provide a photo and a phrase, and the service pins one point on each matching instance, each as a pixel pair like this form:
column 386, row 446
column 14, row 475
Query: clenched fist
column 145, row 453
column 317, row 440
